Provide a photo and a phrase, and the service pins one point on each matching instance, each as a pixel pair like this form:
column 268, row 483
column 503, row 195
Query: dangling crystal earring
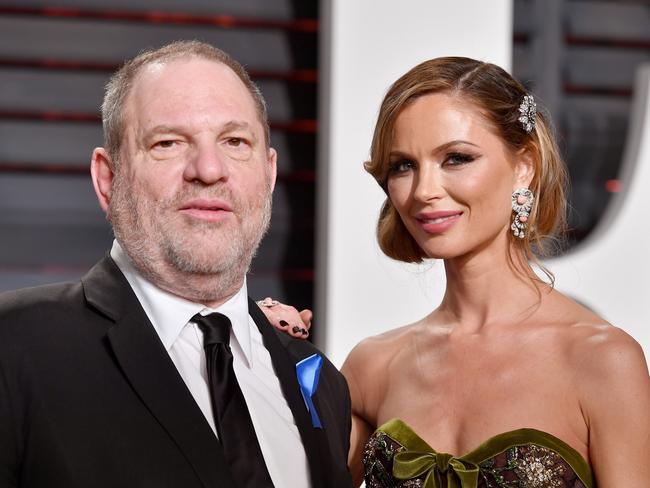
column 522, row 204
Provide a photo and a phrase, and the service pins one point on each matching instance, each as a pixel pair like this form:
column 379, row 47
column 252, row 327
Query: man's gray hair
column 120, row 84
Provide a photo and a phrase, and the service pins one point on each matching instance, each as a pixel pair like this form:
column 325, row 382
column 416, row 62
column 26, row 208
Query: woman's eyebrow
column 442, row 147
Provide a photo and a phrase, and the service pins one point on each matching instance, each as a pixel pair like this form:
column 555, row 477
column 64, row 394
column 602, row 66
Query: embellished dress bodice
column 396, row 457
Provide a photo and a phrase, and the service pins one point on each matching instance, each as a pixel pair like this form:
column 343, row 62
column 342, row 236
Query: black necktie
column 231, row 416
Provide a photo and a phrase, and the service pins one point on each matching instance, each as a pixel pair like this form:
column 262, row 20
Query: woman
column 507, row 383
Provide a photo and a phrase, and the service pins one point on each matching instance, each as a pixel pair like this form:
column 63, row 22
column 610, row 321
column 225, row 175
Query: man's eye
column 165, row 144
column 235, row 141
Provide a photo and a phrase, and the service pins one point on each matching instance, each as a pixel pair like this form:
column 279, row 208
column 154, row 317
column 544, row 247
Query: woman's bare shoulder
column 587, row 333
column 610, row 377
column 377, row 352
column 379, row 345
column 613, row 386
column 367, row 365
column 602, row 350
column 592, row 346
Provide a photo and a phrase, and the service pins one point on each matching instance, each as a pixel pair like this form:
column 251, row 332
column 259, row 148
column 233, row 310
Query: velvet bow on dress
column 459, row 473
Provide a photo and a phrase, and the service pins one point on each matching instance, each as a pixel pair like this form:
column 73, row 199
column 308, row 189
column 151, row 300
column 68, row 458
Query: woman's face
column 451, row 178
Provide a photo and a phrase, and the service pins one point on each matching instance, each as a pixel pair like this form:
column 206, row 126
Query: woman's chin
column 442, row 253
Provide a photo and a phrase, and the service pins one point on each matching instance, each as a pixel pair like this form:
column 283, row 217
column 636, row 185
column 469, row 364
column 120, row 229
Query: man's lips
column 438, row 222
column 206, row 209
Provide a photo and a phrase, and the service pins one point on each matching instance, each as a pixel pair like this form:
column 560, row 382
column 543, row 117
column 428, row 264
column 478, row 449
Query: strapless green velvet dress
column 396, row 457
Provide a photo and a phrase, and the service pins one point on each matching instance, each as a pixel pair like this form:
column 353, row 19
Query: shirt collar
column 169, row 313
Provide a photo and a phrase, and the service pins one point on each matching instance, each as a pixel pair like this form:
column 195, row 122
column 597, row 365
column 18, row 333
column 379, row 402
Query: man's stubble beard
column 165, row 254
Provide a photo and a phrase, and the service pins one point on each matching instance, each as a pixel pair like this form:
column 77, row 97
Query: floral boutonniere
column 308, row 372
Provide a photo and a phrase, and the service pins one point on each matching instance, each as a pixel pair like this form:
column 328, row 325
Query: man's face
column 193, row 189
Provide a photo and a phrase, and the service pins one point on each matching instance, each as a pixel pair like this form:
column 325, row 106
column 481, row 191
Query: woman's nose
column 428, row 184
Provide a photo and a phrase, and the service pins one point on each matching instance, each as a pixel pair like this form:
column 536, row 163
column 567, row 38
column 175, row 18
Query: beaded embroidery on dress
column 520, row 459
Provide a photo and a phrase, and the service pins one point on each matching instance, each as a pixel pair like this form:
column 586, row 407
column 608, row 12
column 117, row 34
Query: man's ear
column 102, row 175
column 524, row 169
column 272, row 161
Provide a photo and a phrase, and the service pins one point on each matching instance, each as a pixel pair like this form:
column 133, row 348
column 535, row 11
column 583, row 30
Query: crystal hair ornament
column 528, row 111
column 522, row 204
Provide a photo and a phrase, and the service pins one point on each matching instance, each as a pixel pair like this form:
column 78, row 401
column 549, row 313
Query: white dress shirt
column 272, row 419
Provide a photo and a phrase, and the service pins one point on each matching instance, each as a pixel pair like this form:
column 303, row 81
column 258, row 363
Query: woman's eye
column 401, row 166
column 457, row 159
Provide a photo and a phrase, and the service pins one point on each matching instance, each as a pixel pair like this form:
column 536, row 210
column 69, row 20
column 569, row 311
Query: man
column 118, row 381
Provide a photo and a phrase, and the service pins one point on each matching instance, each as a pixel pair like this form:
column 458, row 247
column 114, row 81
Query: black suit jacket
column 90, row 398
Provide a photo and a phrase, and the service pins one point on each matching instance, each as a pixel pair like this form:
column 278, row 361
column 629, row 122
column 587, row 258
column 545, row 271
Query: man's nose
column 207, row 164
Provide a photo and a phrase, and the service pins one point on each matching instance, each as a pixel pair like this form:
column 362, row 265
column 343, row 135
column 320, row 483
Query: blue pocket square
column 308, row 372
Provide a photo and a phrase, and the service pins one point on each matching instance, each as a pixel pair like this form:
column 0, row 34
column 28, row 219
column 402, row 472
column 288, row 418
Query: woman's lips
column 437, row 222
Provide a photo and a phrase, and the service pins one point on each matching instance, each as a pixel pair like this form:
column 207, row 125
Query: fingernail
column 284, row 323
column 296, row 329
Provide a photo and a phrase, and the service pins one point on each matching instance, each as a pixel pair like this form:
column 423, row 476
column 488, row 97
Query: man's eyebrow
column 163, row 128
column 236, row 124
column 239, row 125
column 175, row 129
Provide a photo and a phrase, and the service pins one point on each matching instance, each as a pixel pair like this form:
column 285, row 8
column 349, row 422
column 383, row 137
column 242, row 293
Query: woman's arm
column 361, row 431
column 356, row 368
column 359, row 371
column 615, row 393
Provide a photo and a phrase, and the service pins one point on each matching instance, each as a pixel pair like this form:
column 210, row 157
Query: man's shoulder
column 300, row 349
column 296, row 347
column 38, row 298
column 55, row 296
column 39, row 316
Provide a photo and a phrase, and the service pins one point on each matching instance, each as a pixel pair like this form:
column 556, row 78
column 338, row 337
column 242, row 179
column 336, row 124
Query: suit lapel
column 314, row 440
column 152, row 374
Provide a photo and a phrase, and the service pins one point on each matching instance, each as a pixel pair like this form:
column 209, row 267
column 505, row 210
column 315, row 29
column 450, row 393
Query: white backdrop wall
column 365, row 46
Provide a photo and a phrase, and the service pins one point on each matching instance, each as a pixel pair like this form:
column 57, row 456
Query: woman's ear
column 101, row 172
column 524, row 168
